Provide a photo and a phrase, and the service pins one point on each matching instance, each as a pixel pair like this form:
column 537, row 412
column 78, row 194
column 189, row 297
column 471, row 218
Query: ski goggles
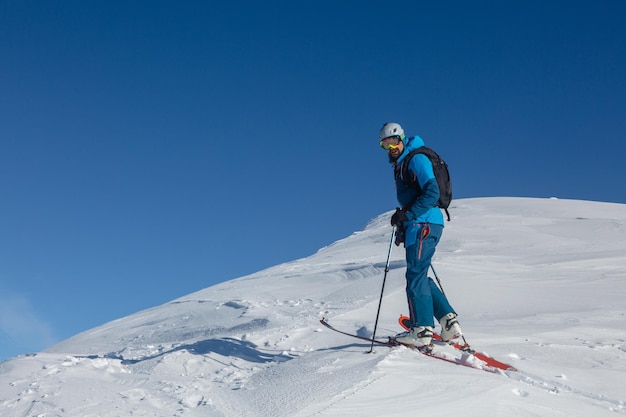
column 392, row 142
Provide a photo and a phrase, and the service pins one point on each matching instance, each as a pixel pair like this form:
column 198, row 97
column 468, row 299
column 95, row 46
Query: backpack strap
column 447, row 214
column 405, row 177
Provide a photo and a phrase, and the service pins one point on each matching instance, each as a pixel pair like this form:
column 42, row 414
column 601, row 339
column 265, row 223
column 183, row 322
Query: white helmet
column 391, row 129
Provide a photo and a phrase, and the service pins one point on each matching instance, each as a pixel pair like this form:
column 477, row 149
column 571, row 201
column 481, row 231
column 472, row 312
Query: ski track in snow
column 538, row 283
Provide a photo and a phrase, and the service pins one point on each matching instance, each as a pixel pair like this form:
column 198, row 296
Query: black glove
column 399, row 217
column 399, row 235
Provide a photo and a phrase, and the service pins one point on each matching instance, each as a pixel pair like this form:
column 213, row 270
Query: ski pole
column 393, row 235
column 444, row 294
column 438, row 281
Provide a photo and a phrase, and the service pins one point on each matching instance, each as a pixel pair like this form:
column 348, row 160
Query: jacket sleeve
column 421, row 167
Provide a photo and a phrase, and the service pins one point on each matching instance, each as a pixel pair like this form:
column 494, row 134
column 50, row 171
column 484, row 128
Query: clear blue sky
column 150, row 149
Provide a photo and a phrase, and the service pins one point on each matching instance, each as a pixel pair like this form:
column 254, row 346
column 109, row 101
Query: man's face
column 395, row 153
column 393, row 145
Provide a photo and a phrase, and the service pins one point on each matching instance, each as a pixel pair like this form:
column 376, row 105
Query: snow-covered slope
column 539, row 283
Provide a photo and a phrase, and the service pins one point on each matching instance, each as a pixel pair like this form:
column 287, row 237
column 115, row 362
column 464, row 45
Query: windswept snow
column 538, row 283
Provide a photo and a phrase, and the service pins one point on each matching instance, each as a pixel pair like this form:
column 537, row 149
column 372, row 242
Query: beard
column 394, row 155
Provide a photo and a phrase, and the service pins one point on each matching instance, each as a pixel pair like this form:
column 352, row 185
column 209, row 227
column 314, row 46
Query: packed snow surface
column 537, row 283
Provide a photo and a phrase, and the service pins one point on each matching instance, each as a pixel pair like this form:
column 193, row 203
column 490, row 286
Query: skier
column 419, row 225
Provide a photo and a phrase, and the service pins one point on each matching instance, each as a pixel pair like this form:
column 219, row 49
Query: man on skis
column 419, row 225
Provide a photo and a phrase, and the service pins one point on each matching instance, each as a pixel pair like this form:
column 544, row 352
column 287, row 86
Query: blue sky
column 151, row 148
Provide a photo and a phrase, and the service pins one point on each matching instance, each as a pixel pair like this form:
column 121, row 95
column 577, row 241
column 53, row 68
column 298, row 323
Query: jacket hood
column 410, row 144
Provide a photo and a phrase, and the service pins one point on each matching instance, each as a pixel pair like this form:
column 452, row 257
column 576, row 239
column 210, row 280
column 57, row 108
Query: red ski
column 404, row 322
column 464, row 356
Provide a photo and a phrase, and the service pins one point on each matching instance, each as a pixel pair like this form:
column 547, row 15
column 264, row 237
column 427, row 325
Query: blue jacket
column 424, row 209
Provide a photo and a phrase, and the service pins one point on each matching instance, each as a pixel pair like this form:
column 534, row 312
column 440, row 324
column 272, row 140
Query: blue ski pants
column 424, row 296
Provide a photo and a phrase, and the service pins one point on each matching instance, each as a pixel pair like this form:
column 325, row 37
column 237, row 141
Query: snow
column 538, row 283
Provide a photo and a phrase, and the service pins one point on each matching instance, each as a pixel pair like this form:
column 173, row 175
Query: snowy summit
column 537, row 283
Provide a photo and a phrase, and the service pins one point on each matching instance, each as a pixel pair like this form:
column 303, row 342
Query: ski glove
column 399, row 217
column 399, row 235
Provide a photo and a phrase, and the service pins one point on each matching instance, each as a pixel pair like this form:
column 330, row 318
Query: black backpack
column 440, row 169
